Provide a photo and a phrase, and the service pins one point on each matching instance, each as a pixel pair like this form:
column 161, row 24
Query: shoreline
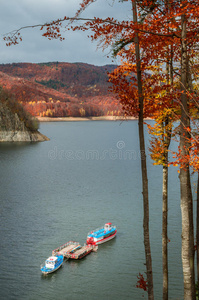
column 79, row 119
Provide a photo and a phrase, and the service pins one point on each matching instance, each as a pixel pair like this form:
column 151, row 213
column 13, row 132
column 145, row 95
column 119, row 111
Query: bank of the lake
column 79, row 119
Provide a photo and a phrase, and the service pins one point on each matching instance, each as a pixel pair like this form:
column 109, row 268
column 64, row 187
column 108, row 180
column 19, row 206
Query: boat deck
column 101, row 233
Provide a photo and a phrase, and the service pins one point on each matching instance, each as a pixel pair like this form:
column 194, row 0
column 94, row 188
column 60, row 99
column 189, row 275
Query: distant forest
column 57, row 89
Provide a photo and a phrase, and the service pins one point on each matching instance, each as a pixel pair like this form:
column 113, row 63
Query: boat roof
column 108, row 223
column 52, row 258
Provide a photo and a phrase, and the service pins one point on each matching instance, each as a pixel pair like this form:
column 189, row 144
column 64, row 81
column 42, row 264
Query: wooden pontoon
column 83, row 251
column 67, row 248
column 74, row 250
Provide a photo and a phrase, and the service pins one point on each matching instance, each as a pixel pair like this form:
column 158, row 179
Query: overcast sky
column 34, row 48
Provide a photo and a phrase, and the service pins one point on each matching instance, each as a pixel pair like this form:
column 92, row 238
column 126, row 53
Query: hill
column 59, row 89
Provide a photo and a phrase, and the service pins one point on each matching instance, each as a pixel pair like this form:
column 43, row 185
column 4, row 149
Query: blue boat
column 101, row 235
column 52, row 264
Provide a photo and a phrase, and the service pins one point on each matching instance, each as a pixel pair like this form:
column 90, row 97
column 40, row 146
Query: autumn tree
column 143, row 159
column 184, row 113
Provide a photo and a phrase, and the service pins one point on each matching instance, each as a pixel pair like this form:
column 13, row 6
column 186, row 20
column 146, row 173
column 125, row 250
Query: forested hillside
column 61, row 89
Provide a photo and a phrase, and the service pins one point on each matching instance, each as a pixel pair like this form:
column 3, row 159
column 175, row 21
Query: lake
column 56, row 191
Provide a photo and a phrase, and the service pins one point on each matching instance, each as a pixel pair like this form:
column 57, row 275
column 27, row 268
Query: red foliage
column 141, row 283
column 61, row 89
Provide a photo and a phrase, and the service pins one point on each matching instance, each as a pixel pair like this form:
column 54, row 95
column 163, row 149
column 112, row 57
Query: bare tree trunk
column 164, row 231
column 191, row 235
column 166, row 140
column 184, row 172
column 197, row 230
column 143, row 165
column 192, row 250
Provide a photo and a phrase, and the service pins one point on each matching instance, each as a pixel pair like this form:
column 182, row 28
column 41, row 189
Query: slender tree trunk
column 184, row 172
column 192, row 251
column 197, row 231
column 166, row 141
column 143, row 165
column 164, row 231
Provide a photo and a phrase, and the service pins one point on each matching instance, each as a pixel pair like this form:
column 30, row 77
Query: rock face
column 14, row 128
column 22, row 136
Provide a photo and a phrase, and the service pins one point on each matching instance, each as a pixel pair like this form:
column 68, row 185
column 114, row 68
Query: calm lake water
column 52, row 192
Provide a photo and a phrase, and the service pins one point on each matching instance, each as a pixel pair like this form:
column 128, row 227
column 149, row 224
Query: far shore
column 76, row 119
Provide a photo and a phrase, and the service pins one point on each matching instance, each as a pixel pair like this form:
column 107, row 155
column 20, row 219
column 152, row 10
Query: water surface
column 52, row 192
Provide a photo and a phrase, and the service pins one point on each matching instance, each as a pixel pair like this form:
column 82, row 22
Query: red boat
column 101, row 235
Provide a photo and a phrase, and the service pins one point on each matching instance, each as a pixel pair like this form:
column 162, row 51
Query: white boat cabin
column 107, row 226
column 50, row 262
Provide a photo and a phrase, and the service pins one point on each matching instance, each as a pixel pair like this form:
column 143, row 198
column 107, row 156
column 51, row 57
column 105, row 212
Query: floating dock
column 74, row 250
column 67, row 248
column 83, row 251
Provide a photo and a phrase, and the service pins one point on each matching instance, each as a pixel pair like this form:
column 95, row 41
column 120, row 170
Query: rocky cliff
column 15, row 124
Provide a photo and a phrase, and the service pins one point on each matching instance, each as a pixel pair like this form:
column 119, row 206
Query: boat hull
column 98, row 241
column 106, row 239
column 48, row 271
column 56, row 260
